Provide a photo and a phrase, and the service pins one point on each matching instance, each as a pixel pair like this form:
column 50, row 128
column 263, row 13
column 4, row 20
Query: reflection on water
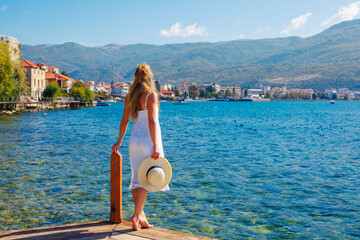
column 240, row 170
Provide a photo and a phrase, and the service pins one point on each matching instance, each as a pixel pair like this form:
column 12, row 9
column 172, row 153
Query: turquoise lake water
column 241, row 170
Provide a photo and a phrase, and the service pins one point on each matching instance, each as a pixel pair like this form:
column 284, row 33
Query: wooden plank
column 97, row 230
column 116, row 213
column 124, row 231
column 83, row 231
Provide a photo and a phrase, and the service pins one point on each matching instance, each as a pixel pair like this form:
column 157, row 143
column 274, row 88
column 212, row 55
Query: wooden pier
column 40, row 105
column 97, row 230
column 115, row 229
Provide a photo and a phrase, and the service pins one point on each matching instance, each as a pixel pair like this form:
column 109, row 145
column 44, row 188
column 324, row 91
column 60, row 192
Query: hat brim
column 144, row 167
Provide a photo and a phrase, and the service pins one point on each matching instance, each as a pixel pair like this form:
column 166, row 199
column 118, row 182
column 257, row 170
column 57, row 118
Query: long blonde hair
column 143, row 83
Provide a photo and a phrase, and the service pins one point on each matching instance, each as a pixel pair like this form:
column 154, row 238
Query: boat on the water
column 103, row 104
column 332, row 102
column 181, row 102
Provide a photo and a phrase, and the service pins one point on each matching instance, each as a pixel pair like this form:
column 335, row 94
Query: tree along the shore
column 12, row 77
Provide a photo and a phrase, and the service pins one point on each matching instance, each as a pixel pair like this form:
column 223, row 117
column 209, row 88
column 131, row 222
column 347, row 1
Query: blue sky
column 97, row 23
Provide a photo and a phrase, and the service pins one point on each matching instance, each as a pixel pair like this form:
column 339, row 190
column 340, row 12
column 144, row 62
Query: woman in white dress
column 142, row 106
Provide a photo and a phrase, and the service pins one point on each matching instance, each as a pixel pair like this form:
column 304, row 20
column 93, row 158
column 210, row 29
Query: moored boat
column 181, row 102
column 102, row 104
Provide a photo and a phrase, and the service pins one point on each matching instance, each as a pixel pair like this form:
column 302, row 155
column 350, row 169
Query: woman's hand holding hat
column 156, row 153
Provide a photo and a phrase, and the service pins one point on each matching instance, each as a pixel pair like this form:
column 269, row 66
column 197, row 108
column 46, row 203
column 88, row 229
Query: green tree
column 246, row 92
column 202, row 93
column 65, row 74
column 12, row 77
column 307, row 96
column 227, row 93
column 234, row 93
column 217, row 95
column 89, row 95
column 52, row 90
column 321, row 95
column 314, row 96
column 276, row 95
column 194, row 91
column 268, row 94
column 177, row 92
column 78, row 90
column 78, row 84
column 210, row 89
column 208, row 95
column 157, row 85
column 334, row 96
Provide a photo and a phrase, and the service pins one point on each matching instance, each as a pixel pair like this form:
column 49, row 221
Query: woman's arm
column 123, row 126
column 151, row 106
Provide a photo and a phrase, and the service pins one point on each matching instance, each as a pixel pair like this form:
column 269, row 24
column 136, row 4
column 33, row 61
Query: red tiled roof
column 42, row 65
column 57, row 76
column 27, row 63
column 50, row 75
column 62, row 77
column 52, row 67
column 166, row 91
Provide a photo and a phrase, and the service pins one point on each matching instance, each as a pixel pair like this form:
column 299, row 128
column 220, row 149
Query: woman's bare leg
column 139, row 218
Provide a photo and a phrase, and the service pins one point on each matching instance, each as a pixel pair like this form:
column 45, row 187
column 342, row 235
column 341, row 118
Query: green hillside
column 328, row 59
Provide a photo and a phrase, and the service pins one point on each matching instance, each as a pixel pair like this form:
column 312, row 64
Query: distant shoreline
column 21, row 110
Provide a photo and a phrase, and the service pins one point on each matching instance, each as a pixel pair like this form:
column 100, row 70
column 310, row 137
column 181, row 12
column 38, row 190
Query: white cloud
column 345, row 13
column 295, row 23
column 3, row 8
column 241, row 36
column 190, row 30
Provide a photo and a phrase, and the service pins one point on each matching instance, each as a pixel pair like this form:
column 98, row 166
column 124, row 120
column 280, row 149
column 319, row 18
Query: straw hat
column 154, row 175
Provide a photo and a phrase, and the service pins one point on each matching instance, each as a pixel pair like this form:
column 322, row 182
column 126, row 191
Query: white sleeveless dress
column 141, row 146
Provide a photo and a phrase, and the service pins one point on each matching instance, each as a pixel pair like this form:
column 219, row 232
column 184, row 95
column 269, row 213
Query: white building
column 254, row 93
column 165, row 87
column 120, row 90
column 237, row 90
column 265, row 89
column 35, row 78
column 208, row 84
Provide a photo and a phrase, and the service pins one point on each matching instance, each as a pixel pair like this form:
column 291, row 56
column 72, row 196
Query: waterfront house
column 254, row 93
column 90, row 85
column 120, row 90
column 64, row 82
column 35, row 78
column 166, row 94
column 107, row 88
column 329, row 92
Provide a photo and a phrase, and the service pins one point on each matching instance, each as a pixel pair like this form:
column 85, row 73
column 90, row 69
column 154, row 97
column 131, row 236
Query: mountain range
column 328, row 59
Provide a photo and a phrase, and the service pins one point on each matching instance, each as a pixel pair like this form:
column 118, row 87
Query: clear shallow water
column 240, row 170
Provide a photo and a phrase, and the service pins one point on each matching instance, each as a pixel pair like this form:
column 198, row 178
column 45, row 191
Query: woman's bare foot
column 143, row 221
column 135, row 223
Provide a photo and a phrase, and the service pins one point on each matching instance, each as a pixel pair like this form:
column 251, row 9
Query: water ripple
column 240, row 170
